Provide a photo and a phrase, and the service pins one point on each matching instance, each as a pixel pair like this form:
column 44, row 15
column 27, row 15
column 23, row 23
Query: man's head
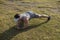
column 16, row 16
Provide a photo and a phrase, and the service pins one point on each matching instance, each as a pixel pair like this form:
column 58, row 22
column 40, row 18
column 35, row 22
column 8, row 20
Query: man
column 25, row 17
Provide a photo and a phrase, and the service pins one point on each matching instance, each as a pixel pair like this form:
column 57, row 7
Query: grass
column 38, row 30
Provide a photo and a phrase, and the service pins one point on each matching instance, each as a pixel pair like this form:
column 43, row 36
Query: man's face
column 16, row 19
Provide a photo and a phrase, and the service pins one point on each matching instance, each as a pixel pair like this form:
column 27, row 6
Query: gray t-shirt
column 28, row 15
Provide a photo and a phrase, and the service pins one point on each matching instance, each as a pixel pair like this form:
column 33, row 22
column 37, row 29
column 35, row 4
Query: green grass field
column 39, row 29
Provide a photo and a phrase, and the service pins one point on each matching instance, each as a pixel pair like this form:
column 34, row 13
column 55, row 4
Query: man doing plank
column 22, row 20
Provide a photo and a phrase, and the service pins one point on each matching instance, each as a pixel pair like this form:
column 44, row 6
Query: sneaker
column 48, row 18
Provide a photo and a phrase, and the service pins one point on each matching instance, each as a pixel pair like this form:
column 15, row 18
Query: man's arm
column 18, row 24
column 26, row 22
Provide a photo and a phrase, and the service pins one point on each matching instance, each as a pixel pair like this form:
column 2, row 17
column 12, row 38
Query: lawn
column 39, row 29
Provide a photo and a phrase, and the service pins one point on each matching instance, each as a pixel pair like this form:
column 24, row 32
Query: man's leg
column 42, row 16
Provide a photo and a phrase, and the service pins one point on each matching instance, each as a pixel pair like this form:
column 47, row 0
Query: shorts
column 33, row 15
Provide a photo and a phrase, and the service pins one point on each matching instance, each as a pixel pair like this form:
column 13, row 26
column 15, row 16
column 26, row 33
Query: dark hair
column 16, row 16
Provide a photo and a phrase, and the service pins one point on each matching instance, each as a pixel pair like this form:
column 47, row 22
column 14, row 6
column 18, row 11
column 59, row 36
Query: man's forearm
column 18, row 23
column 26, row 24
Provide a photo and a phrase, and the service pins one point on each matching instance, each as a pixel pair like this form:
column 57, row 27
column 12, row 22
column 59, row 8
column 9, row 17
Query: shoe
column 48, row 18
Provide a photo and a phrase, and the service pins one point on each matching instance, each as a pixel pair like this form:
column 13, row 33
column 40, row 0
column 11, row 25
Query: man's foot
column 48, row 18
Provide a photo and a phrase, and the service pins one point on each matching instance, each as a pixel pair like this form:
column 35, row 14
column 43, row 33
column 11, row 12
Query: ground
column 39, row 29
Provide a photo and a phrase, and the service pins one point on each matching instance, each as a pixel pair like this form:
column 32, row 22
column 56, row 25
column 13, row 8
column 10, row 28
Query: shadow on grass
column 10, row 33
